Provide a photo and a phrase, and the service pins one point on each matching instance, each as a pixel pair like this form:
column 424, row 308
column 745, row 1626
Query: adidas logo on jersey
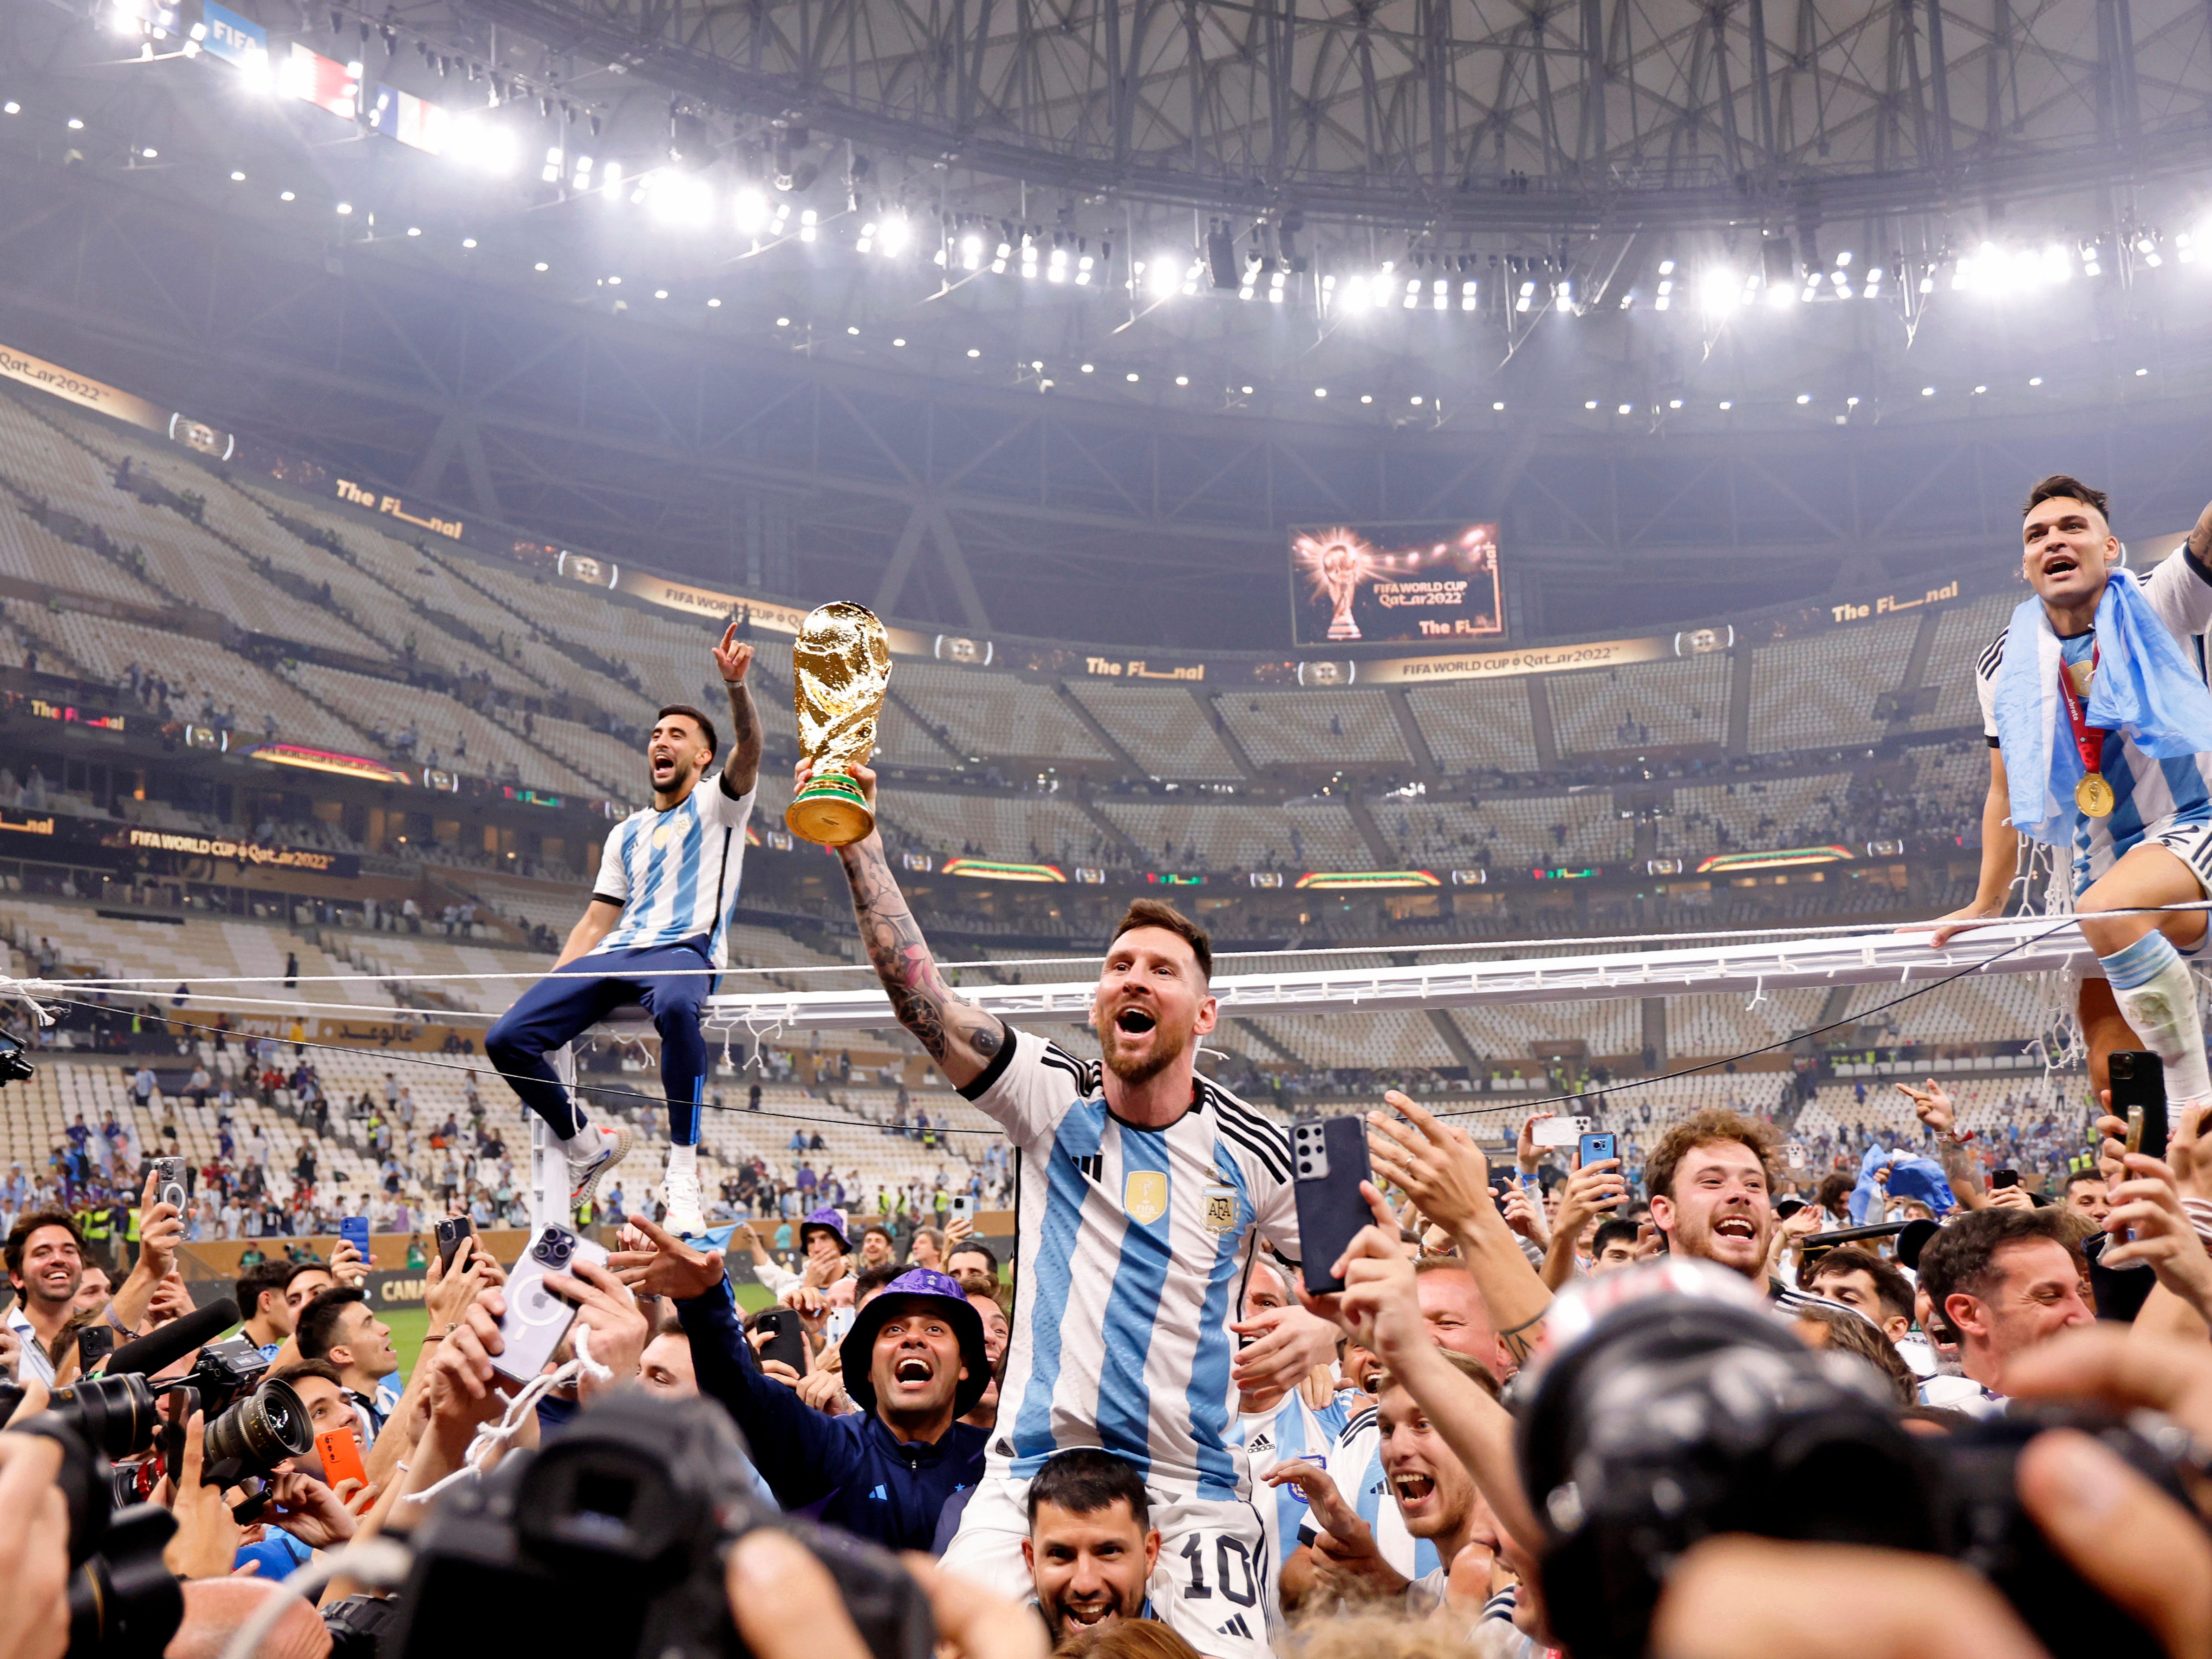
column 1260, row 1442
column 1236, row 1626
column 1093, row 1168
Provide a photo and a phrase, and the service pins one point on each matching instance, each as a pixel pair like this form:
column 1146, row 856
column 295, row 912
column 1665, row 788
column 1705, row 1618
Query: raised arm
column 959, row 1037
column 732, row 658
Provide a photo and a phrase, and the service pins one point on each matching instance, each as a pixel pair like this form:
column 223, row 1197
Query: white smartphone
column 536, row 1319
column 1560, row 1131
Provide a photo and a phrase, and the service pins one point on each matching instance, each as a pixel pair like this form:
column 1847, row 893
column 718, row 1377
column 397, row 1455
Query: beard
column 1135, row 1071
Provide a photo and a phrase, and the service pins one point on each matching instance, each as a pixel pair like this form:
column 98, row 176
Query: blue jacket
column 861, row 1476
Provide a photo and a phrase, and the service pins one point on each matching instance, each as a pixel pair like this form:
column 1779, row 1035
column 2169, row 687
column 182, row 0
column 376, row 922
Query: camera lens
column 115, row 1414
column 260, row 1432
column 557, row 1248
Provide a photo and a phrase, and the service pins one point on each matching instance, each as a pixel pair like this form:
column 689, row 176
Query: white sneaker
column 681, row 1193
column 585, row 1171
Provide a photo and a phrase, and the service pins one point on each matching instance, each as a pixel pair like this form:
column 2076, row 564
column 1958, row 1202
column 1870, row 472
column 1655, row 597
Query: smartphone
column 1328, row 1160
column 1560, row 1131
column 786, row 1339
column 2004, row 1178
column 536, row 1318
column 354, row 1230
column 2139, row 1095
column 168, row 1181
column 1593, row 1147
column 452, row 1233
column 961, row 1205
column 341, row 1455
column 95, row 1342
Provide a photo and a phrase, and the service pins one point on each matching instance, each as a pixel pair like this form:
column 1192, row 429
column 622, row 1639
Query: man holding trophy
column 655, row 932
column 1146, row 1193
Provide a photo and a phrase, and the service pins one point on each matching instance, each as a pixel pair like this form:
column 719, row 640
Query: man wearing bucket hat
column 913, row 1363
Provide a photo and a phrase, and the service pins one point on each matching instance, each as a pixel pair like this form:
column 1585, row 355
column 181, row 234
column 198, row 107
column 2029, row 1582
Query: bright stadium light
column 483, row 147
column 681, row 203
column 1164, row 274
column 749, row 213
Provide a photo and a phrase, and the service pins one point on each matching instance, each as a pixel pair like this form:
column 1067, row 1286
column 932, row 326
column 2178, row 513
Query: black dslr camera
column 1674, row 1419
column 123, row 1603
column 612, row 1541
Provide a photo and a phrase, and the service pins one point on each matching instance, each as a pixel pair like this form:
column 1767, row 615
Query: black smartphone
column 95, row 1342
column 2004, row 1178
column 168, row 1181
column 452, row 1234
column 1328, row 1160
column 2139, row 1095
column 786, row 1339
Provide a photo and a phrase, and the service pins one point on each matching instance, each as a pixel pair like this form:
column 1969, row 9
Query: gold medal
column 2094, row 796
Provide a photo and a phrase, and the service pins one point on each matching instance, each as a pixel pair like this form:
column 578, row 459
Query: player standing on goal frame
column 1143, row 1194
column 659, row 919
column 2099, row 724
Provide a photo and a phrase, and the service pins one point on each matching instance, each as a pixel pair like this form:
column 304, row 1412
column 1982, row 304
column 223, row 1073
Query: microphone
column 172, row 1342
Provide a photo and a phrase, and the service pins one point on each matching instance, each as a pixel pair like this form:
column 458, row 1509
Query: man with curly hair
column 1711, row 1184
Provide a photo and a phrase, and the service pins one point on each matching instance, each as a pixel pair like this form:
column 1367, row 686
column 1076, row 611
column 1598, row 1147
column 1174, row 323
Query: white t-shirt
column 675, row 873
column 1132, row 1254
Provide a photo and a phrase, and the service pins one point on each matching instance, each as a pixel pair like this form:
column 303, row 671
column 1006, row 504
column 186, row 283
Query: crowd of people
column 1395, row 1508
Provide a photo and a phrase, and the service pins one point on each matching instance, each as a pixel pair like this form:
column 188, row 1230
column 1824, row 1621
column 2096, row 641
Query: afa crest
column 1144, row 1195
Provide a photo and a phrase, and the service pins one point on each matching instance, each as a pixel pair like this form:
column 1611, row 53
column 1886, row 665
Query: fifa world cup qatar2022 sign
column 1432, row 582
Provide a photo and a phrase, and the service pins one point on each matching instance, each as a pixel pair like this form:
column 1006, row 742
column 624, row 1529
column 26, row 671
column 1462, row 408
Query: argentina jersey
column 1355, row 1463
column 1133, row 1246
column 675, row 873
column 1293, row 1432
column 2152, row 800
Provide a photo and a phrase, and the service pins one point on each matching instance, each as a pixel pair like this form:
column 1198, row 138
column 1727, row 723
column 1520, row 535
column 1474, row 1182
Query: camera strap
column 489, row 1438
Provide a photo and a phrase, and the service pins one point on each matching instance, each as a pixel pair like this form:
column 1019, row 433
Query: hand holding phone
column 341, row 1456
column 452, row 1233
column 536, row 1318
column 1328, row 1162
column 354, row 1230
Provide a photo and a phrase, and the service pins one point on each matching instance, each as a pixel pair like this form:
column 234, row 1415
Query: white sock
column 2161, row 1010
column 684, row 1160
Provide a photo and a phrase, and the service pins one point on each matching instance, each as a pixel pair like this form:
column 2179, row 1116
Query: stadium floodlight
column 610, row 180
column 681, row 202
column 809, row 224
column 1056, row 269
column 1084, row 264
column 483, row 146
column 552, row 171
column 1164, row 274
column 895, row 236
column 1467, row 296
column 749, row 213
column 998, row 259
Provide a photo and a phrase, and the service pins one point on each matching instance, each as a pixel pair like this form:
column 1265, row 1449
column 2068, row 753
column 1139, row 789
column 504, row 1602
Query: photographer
column 913, row 1362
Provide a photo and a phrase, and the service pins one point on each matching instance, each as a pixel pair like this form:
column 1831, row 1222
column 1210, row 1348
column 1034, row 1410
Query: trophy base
column 829, row 811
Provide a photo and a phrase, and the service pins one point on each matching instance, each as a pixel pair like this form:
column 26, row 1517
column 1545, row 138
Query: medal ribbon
column 2088, row 739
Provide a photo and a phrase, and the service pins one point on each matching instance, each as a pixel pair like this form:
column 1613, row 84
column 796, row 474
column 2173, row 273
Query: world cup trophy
column 840, row 669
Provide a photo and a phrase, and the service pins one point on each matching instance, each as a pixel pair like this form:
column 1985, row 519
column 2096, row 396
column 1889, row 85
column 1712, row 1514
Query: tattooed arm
column 732, row 660
column 958, row 1035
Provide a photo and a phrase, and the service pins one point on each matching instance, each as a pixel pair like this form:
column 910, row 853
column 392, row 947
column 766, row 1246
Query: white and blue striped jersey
column 675, row 873
column 2152, row 797
column 1293, row 1432
column 1131, row 1249
column 1355, row 1463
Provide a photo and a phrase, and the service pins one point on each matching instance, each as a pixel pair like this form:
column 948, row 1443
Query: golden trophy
column 840, row 669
